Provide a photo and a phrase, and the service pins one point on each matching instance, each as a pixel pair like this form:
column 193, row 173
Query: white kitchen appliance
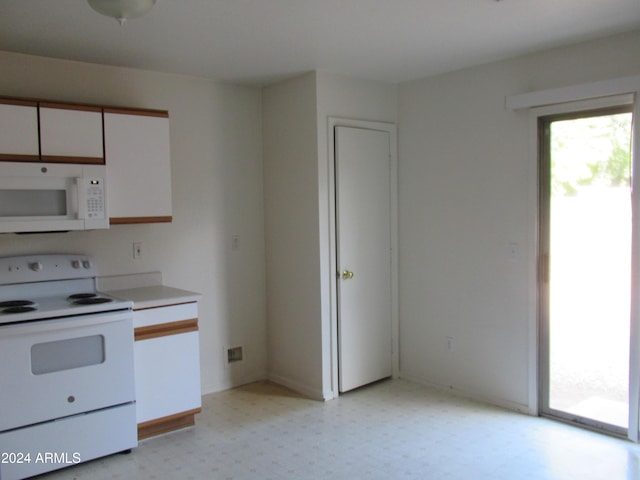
column 50, row 197
column 67, row 391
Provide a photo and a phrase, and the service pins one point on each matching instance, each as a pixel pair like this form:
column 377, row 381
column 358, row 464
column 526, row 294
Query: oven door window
column 67, row 354
column 33, row 203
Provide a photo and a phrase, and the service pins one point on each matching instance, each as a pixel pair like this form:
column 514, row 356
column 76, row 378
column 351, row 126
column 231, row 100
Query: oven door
column 56, row 368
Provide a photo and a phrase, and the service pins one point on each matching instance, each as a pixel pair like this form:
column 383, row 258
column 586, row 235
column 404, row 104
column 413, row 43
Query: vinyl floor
column 394, row 429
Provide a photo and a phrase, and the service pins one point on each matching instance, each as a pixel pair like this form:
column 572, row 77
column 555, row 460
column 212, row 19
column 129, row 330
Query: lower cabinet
column 167, row 368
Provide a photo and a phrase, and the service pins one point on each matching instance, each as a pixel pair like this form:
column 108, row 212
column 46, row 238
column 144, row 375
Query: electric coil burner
column 78, row 296
column 66, row 364
column 91, row 301
column 15, row 303
column 88, row 299
column 19, row 309
column 17, row 306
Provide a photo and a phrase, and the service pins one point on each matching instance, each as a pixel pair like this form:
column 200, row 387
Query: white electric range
column 66, row 366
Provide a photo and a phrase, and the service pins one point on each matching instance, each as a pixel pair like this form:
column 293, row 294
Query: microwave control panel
column 95, row 198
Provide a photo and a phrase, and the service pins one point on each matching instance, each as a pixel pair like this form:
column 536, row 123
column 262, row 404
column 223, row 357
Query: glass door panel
column 586, row 258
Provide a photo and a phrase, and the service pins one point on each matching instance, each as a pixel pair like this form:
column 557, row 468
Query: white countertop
column 145, row 290
column 155, row 296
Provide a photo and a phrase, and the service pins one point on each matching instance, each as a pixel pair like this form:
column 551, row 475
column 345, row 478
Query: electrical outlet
column 137, row 250
column 235, row 243
column 449, row 344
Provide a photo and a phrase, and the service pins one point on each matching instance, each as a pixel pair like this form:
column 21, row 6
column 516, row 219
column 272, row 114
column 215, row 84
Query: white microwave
column 51, row 197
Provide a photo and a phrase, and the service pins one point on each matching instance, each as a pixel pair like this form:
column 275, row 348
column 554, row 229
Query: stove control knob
column 86, row 264
column 35, row 266
column 75, row 263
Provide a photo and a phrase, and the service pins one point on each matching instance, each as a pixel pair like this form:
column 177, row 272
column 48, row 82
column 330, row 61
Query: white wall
column 216, row 166
column 292, row 235
column 298, row 241
column 467, row 191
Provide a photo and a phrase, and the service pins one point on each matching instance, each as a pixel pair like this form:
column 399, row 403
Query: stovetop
column 38, row 287
column 55, row 307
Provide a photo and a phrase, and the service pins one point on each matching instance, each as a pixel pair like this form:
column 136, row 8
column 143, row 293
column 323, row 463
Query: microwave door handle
column 81, row 198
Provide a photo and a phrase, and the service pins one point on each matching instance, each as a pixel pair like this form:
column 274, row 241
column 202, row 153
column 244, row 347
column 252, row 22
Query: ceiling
column 258, row 42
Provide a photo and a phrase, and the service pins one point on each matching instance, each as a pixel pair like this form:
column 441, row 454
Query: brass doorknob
column 346, row 275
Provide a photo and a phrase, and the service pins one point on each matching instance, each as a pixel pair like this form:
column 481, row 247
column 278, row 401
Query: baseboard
column 498, row 402
column 306, row 390
column 254, row 377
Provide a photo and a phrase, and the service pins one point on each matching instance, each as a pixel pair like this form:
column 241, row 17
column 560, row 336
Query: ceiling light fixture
column 122, row 10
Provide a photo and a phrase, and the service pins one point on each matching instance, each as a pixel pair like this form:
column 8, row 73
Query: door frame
column 537, row 356
column 391, row 129
column 574, row 110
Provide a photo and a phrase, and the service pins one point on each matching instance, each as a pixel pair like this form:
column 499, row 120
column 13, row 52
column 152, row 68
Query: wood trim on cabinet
column 133, row 220
column 65, row 159
column 166, row 329
column 10, row 157
column 48, row 103
column 162, row 425
column 70, row 106
column 18, row 101
column 137, row 111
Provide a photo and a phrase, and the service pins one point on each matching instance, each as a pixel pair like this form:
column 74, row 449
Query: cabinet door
column 138, row 163
column 71, row 134
column 19, row 131
column 167, row 376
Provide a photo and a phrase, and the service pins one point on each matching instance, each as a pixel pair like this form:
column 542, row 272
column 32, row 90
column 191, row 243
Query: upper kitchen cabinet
column 71, row 133
column 138, row 160
column 133, row 143
column 19, row 130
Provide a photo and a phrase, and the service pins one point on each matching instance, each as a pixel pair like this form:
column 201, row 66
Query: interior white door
column 363, row 230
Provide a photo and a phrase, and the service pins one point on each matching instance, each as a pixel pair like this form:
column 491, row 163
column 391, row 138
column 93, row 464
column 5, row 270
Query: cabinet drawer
column 158, row 315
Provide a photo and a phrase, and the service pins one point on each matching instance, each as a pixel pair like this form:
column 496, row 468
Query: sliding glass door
column 585, row 260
